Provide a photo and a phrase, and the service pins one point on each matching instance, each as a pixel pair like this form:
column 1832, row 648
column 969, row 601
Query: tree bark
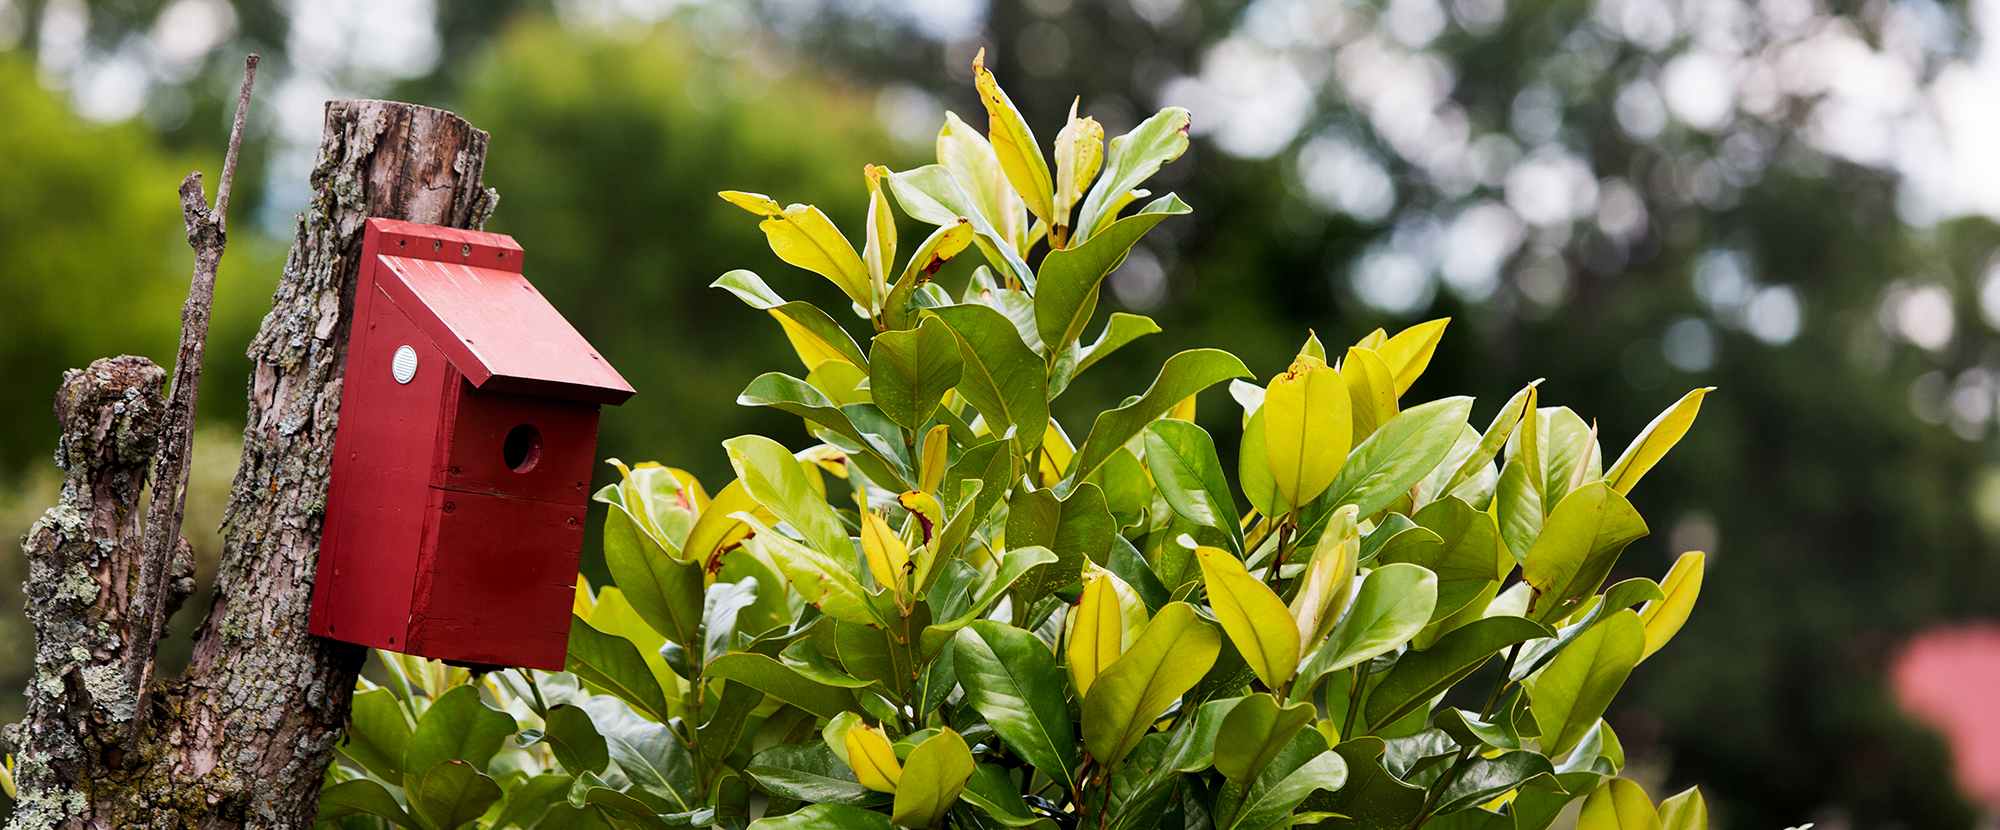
column 244, row 737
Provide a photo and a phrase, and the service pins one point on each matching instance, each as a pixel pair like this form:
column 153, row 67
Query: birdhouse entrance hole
column 522, row 448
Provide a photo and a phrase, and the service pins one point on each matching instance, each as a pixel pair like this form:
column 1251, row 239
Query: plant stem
column 1354, row 682
column 541, row 707
column 1500, row 686
column 1445, row 781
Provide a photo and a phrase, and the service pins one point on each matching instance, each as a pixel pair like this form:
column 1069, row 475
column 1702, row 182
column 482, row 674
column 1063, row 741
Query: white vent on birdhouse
column 405, row 365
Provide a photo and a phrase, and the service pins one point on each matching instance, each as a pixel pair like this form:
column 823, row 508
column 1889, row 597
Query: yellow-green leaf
column 1572, row 691
column 1686, row 811
column 1371, row 388
column 1079, row 154
column 1409, row 352
column 803, row 236
column 1663, row 618
column 1655, row 440
column 1174, row 652
column 932, row 780
column 878, row 251
column 888, row 558
column 873, row 759
column 1618, row 804
column 1014, row 144
column 931, row 466
column 756, row 203
column 1254, row 733
column 1329, row 578
column 1096, row 636
column 1253, row 615
column 1307, row 426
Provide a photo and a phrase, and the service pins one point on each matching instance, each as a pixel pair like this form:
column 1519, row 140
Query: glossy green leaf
column 823, row 580
column 1002, row 378
column 1571, row 456
column 1129, row 160
column 810, row 773
column 1617, row 598
column 1257, row 728
column 1270, row 801
column 1572, row 692
column 1371, row 390
column 1467, row 559
column 1253, row 616
column 970, row 158
column 665, row 591
column 379, row 734
column 1483, row 779
column 1307, row 421
column 458, row 727
column 912, row 370
column 1371, row 799
column 1536, row 808
column 933, row 776
column 1253, row 469
column 1392, row 460
column 805, row 658
column 1121, row 329
column 1618, row 804
column 783, row 681
column 724, row 603
column 990, row 790
column 610, row 663
column 803, row 236
column 451, row 794
column 1655, row 440
column 363, row 796
column 1494, row 437
column 1010, row 678
column 934, row 194
column 1469, row 730
column 1076, row 530
column 575, row 740
column 943, row 245
column 1579, row 543
column 809, row 328
column 1188, row 475
column 825, row 817
column 1169, row 658
column 1328, row 581
column 1067, row 285
column 1518, row 500
column 1017, row 567
column 1391, row 605
column 1409, row 352
column 1686, row 811
column 649, row 753
column 1663, row 618
column 776, row 481
column 1422, row 675
column 1181, row 377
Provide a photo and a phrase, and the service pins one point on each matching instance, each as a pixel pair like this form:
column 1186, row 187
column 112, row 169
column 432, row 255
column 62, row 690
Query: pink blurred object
column 1950, row 679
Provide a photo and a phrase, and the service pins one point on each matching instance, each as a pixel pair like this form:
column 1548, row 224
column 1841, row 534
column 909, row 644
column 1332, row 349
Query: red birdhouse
column 461, row 469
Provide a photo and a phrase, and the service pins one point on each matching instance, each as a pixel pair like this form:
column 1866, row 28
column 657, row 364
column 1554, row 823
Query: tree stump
column 244, row 737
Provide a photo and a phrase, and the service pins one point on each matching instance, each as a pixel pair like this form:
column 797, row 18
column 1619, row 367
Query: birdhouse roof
column 465, row 291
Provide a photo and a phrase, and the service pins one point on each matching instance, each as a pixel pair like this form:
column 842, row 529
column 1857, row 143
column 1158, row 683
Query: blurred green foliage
column 607, row 154
column 93, row 259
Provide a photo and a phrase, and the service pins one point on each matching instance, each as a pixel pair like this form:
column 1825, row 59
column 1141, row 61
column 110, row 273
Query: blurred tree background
column 1788, row 199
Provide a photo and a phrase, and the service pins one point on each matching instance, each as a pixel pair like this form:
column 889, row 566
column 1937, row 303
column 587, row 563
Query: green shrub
column 952, row 613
